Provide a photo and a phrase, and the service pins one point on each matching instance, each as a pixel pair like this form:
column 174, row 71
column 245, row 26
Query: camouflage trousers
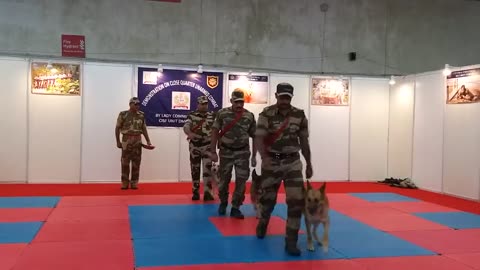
column 290, row 171
column 131, row 154
column 238, row 159
column 198, row 157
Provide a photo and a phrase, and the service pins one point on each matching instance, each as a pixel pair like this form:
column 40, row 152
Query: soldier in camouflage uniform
column 131, row 124
column 232, row 130
column 198, row 128
column 282, row 131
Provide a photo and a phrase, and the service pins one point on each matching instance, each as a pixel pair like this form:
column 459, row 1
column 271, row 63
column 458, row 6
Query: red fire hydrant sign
column 73, row 46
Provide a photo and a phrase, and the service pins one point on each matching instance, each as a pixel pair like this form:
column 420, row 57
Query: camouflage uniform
column 131, row 125
column 285, row 165
column 199, row 149
column 234, row 152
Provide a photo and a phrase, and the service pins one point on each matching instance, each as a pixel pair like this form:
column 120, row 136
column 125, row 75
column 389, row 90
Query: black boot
column 207, row 196
column 222, row 209
column 262, row 227
column 236, row 213
column 291, row 243
column 196, row 192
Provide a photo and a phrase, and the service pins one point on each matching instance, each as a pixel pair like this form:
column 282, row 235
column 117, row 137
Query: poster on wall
column 168, row 97
column 254, row 87
column 330, row 91
column 55, row 78
column 463, row 86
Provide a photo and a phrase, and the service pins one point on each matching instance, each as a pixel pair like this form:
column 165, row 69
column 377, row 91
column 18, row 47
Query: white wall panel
column 107, row 90
column 428, row 131
column 461, row 165
column 369, row 129
column 329, row 140
column 400, row 129
column 13, row 94
column 55, row 128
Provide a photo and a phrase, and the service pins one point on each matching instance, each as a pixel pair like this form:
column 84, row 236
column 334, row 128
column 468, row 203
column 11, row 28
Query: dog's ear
column 309, row 186
column 322, row 188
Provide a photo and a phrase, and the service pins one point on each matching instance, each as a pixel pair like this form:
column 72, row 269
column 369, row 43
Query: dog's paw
column 325, row 249
column 310, row 247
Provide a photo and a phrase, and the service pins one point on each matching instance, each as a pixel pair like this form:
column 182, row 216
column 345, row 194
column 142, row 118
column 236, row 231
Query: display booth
column 58, row 127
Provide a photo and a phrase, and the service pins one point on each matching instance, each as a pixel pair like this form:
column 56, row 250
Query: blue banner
column 167, row 98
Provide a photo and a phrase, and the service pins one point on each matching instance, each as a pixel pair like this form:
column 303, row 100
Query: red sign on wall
column 73, row 46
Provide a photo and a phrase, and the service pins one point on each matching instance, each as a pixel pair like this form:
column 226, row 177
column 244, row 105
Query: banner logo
column 180, row 100
column 212, row 81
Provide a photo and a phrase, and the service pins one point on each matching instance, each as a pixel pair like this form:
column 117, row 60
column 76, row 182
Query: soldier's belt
column 199, row 144
column 283, row 155
column 233, row 148
column 132, row 135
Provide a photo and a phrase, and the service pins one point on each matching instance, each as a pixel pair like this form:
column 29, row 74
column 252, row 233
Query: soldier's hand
column 309, row 172
column 214, row 157
column 266, row 162
column 119, row 144
column 192, row 136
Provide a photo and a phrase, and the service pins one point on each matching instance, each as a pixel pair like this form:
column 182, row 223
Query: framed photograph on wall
column 50, row 78
column 330, row 92
column 255, row 87
column 463, row 86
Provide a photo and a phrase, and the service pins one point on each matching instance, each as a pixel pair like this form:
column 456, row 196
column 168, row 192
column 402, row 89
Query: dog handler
column 282, row 131
column 232, row 130
column 131, row 124
column 198, row 129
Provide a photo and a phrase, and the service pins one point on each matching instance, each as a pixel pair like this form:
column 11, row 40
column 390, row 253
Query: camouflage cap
column 284, row 89
column 238, row 95
column 134, row 100
column 202, row 99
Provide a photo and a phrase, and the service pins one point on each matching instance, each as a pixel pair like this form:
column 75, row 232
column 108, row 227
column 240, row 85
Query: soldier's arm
column 304, row 142
column 215, row 130
column 187, row 127
column 118, row 126
column 145, row 132
column 252, row 130
column 261, row 131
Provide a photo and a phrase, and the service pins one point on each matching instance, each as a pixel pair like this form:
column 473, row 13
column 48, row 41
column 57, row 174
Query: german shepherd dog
column 255, row 192
column 316, row 212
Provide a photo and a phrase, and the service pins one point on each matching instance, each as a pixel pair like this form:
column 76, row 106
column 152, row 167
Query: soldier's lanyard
column 269, row 140
column 231, row 124
column 196, row 127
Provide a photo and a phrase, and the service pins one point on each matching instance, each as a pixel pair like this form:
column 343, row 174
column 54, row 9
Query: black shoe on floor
column 236, row 213
column 222, row 209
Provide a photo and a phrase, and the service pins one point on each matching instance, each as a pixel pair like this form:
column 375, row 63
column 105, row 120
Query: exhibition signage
column 463, row 86
column 73, row 46
column 168, row 97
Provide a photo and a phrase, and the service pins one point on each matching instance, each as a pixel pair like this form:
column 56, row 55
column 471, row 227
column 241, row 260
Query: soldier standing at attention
column 232, row 130
column 131, row 124
column 198, row 129
column 282, row 131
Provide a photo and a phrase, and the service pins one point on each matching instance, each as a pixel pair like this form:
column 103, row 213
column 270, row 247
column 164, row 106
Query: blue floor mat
column 28, row 202
column 164, row 234
column 455, row 220
column 18, row 232
column 383, row 197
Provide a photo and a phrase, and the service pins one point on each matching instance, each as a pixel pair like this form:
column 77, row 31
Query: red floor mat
column 104, row 255
column 412, row 263
column 9, row 190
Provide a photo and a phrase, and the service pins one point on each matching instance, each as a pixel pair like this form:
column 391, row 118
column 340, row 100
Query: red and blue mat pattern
column 369, row 231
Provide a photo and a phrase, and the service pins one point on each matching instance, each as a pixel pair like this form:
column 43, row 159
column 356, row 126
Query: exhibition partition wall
column 368, row 132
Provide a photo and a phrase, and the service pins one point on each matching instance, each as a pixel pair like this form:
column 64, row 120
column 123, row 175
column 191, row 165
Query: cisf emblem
column 212, row 81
